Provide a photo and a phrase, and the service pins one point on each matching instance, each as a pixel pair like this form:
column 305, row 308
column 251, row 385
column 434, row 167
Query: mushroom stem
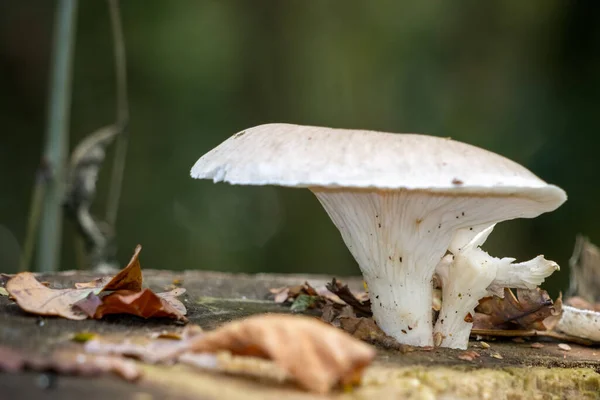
column 397, row 238
column 400, row 309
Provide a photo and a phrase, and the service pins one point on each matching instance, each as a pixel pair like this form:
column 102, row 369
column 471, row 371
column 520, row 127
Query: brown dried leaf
column 36, row 298
column 367, row 330
column 283, row 294
column 468, row 355
column 130, row 277
column 145, row 304
column 317, row 355
column 526, row 311
column 362, row 307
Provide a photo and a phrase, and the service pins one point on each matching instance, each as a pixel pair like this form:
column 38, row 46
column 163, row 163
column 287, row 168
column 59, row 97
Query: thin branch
column 35, row 212
column 56, row 142
column 122, row 113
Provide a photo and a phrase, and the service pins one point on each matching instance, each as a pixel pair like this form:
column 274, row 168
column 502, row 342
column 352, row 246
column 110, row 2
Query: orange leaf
column 130, row 277
column 527, row 310
column 145, row 304
column 317, row 355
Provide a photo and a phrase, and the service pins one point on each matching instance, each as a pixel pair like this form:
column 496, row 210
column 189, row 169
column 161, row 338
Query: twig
column 86, row 162
column 532, row 333
column 56, row 142
column 122, row 111
column 37, row 198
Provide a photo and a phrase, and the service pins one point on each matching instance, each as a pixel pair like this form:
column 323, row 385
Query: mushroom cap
column 309, row 156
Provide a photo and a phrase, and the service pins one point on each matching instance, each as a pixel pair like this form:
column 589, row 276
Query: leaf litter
column 528, row 313
column 120, row 294
column 317, row 356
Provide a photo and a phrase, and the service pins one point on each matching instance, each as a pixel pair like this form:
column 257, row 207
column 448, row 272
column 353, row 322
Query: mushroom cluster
column 408, row 206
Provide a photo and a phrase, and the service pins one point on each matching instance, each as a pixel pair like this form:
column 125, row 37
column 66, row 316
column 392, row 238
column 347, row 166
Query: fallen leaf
column 536, row 345
column 361, row 306
column 531, row 333
column 484, row 345
column 145, row 304
column 89, row 304
column 69, row 362
column 130, row 277
column 527, row 310
column 281, row 295
column 366, row 329
column 564, row 346
column 83, row 337
column 36, row 298
column 469, row 355
column 304, row 302
column 316, row 354
column 3, row 292
column 290, row 293
column 332, row 312
column 171, row 298
column 497, row 356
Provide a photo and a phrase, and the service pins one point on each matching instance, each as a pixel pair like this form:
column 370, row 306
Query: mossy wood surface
column 214, row 298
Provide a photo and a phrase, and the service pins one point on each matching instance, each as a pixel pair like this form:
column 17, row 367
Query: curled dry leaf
column 314, row 353
column 145, row 304
column 69, row 362
column 360, row 303
column 367, row 330
column 527, row 310
column 468, row 355
column 129, row 278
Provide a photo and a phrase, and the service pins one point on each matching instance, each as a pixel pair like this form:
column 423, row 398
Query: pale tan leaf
column 314, row 353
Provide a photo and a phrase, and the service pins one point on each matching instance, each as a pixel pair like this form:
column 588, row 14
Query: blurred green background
column 520, row 78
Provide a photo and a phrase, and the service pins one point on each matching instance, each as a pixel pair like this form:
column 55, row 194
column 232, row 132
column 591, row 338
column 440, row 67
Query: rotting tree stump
column 213, row 298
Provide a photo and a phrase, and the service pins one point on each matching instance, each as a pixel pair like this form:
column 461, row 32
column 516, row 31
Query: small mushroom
column 394, row 198
column 470, row 274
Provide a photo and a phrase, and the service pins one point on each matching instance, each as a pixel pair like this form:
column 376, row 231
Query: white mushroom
column 397, row 199
column 472, row 274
